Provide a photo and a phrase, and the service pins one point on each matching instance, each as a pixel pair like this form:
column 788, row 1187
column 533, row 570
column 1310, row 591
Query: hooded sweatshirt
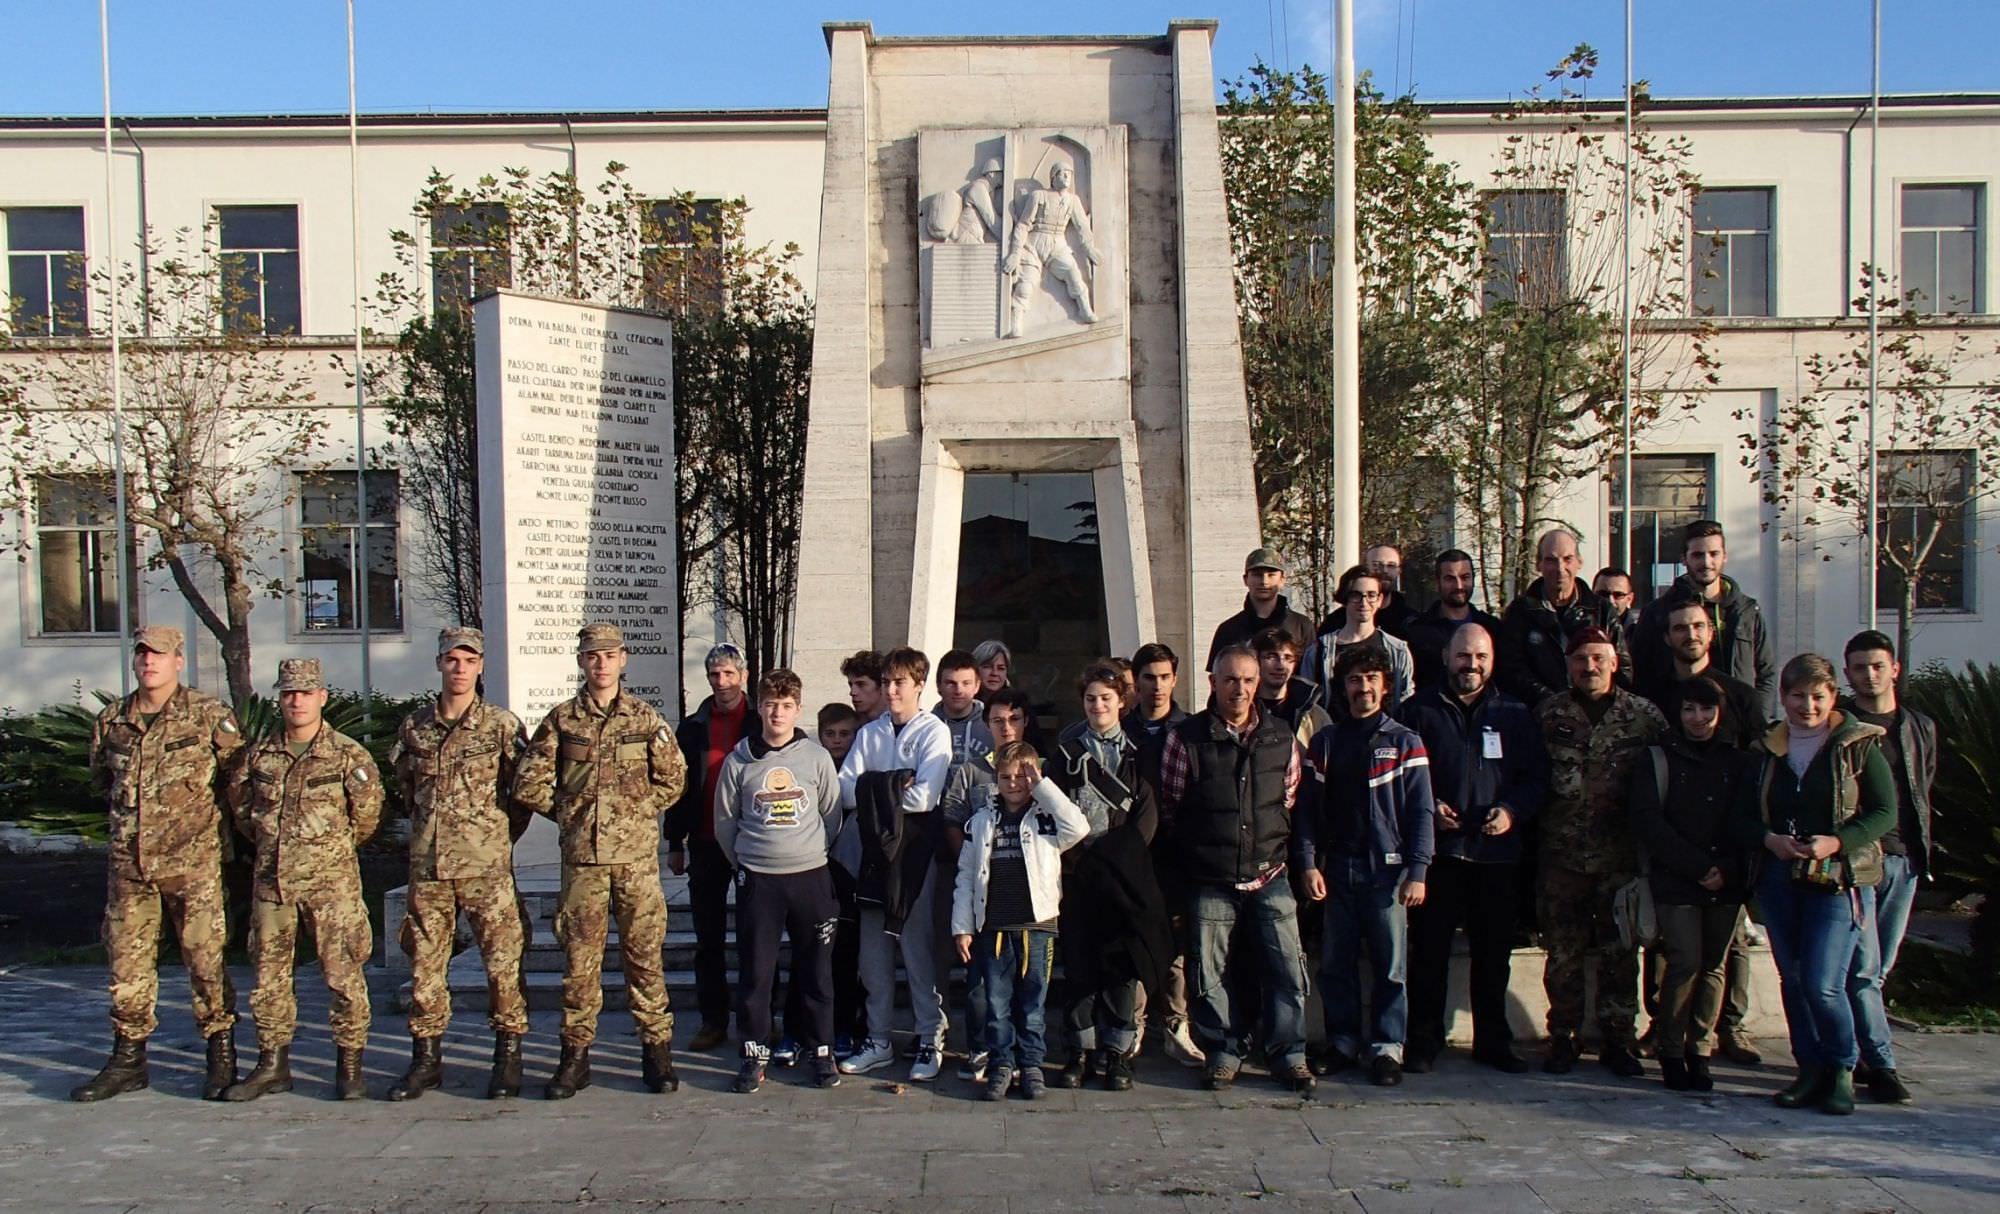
column 777, row 808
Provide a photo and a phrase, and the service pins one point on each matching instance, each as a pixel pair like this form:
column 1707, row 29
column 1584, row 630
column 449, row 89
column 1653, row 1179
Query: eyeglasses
column 1364, row 596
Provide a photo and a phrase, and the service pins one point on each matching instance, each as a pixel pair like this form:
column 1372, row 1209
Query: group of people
column 1352, row 793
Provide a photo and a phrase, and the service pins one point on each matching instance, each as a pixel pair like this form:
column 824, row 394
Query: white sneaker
column 929, row 1062
column 973, row 1068
column 1180, row 1046
column 872, row 1054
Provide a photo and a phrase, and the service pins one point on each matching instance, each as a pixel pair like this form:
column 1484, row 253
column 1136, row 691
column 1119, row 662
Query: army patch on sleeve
column 361, row 775
column 228, row 725
column 661, row 736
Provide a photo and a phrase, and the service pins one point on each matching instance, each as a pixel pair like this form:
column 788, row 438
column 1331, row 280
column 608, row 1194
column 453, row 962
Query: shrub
column 1966, row 798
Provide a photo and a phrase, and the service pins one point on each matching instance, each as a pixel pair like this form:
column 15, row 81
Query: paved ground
column 1463, row 1138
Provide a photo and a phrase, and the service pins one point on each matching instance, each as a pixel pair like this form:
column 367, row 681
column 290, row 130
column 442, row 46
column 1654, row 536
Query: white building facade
column 1787, row 183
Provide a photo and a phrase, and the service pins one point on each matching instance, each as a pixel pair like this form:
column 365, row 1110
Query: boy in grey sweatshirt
column 777, row 808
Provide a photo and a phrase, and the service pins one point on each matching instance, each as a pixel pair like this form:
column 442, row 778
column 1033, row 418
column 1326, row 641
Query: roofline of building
column 803, row 117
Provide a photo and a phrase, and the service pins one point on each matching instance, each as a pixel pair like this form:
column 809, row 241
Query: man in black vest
column 1229, row 777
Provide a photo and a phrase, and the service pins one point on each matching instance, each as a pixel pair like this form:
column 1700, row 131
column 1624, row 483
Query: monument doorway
column 1031, row 574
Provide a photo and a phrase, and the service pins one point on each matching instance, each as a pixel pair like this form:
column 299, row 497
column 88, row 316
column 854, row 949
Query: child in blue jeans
column 1004, row 907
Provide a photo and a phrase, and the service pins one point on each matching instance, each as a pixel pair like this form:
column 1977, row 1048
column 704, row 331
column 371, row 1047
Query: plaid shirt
column 1174, row 772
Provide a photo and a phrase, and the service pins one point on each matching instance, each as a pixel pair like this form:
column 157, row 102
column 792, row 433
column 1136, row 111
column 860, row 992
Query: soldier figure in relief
column 454, row 763
column 308, row 797
column 157, row 755
column 605, row 765
column 1041, row 240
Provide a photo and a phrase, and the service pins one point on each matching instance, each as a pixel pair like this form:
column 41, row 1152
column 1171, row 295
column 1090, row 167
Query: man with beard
column 1428, row 632
column 1742, row 648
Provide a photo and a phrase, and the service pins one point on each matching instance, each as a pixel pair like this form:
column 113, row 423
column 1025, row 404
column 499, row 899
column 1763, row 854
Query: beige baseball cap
column 601, row 635
column 160, row 638
column 300, row 674
column 461, row 638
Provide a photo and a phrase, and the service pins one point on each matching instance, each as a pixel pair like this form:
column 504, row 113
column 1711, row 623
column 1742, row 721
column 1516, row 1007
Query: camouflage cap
column 601, row 635
column 1589, row 636
column 160, row 638
column 300, row 674
column 461, row 638
column 1265, row 558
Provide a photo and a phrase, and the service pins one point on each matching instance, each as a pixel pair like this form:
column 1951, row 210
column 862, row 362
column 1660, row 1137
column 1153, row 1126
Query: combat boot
column 272, row 1074
column 657, row 1068
column 426, row 1071
column 572, row 1072
column 221, row 1064
column 348, row 1081
column 124, row 1071
column 506, row 1079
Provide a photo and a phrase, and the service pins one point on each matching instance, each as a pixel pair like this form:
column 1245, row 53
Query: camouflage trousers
column 1577, row 926
column 498, row 927
column 338, row 920
column 132, row 919
column 591, row 895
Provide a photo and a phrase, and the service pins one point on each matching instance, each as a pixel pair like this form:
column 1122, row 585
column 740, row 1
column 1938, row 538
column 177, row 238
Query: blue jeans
column 1876, row 956
column 1016, row 967
column 1814, row 936
column 1358, row 910
column 1222, row 1029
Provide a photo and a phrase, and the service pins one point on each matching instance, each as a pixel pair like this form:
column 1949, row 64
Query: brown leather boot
column 657, row 1068
column 124, row 1071
column 426, row 1071
column 506, row 1080
column 221, row 1065
column 348, row 1082
column 572, row 1073
column 272, row 1074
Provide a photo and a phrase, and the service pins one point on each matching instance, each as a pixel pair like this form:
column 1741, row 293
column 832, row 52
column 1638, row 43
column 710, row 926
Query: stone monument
column 576, row 497
column 1024, row 275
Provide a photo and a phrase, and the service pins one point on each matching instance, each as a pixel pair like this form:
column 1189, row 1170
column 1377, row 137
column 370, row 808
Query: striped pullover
column 1367, row 797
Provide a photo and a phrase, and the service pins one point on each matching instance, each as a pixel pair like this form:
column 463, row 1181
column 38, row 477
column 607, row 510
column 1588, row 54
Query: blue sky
column 278, row 56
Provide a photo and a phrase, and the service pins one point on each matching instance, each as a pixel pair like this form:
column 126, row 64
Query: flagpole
column 1346, row 304
column 1625, row 311
column 361, row 574
column 128, row 594
column 1873, row 572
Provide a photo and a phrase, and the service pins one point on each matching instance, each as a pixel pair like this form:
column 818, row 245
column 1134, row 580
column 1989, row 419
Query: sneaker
column 1738, row 1050
column 870, row 1055
column 1221, row 1075
column 843, row 1045
column 1384, row 1071
column 1033, row 1086
column 1179, row 1044
column 929, row 1062
column 998, row 1080
column 1887, row 1087
column 750, row 1076
column 785, row 1053
column 825, row 1073
column 1298, row 1077
column 972, row 1069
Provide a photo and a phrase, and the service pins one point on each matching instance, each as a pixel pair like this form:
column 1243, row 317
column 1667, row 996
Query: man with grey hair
column 707, row 736
column 1536, row 628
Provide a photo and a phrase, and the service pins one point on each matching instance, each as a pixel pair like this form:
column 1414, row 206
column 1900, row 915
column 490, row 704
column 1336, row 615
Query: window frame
column 656, row 295
column 303, row 536
column 1982, row 192
column 1488, row 235
column 8, row 252
column 1773, row 307
column 34, row 597
column 220, row 255
column 1644, row 590
column 436, row 249
column 1886, row 575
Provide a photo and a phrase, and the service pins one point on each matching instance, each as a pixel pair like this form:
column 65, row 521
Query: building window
column 1525, row 247
column 1925, row 498
column 260, row 269
column 1941, row 247
column 1732, row 253
column 682, row 254
column 45, row 272
column 1669, row 492
column 76, row 549
column 333, row 543
column 469, row 253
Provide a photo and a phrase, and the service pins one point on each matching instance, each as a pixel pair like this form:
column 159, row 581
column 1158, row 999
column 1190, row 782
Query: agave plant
column 1966, row 797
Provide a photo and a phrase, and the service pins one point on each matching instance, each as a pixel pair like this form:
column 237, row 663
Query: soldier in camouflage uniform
column 454, row 762
column 1594, row 732
column 604, row 765
column 308, row 797
column 157, row 755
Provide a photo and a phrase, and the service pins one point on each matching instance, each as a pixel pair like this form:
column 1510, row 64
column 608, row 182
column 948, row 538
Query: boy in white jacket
column 1004, row 908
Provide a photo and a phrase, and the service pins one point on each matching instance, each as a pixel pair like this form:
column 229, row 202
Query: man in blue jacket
column 1489, row 772
column 1364, row 844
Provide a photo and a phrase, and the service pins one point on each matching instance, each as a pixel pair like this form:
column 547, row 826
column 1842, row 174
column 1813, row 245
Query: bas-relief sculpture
column 1022, row 241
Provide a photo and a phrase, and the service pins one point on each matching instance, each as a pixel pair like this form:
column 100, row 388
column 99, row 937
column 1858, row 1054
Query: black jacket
column 1529, row 659
column 893, row 853
column 1114, row 922
column 1742, row 647
column 1238, row 629
column 1690, row 831
column 1744, row 707
column 1919, row 738
column 1232, row 823
column 693, row 816
column 1301, row 697
column 1464, row 778
column 1429, row 632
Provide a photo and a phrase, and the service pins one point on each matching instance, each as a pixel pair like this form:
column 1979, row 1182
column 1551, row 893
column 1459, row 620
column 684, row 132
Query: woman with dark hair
column 1822, row 797
column 1683, row 794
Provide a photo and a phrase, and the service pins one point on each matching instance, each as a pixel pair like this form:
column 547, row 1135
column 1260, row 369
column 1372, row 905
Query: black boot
column 1117, row 1072
column 1699, row 1079
column 1072, row 1074
column 426, row 1070
column 657, row 1068
column 124, row 1071
column 506, row 1079
column 273, row 1074
column 572, row 1073
column 1674, row 1073
column 221, row 1065
column 348, row 1082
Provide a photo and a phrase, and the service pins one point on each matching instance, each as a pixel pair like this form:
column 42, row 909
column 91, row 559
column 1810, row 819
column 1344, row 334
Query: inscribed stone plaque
column 576, row 468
